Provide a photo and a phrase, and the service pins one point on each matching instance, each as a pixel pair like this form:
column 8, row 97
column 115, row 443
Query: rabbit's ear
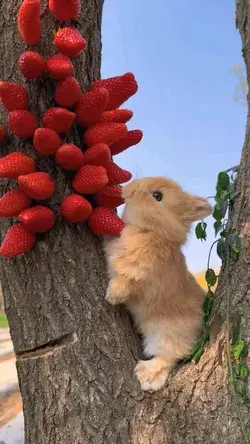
column 201, row 208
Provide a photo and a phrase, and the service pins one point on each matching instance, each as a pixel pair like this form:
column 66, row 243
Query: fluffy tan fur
column 148, row 273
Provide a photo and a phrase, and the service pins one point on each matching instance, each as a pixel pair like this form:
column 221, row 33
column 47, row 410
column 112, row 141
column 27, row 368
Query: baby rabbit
column 149, row 273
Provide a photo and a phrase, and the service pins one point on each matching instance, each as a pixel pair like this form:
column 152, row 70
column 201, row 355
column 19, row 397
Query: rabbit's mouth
column 128, row 193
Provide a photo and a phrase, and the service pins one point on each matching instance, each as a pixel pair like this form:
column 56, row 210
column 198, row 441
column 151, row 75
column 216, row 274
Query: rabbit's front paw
column 116, row 293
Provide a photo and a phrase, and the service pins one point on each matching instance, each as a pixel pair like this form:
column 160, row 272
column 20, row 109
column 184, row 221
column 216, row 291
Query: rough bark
column 75, row 353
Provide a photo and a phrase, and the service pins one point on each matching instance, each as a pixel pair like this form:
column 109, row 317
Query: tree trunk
column 75, row 353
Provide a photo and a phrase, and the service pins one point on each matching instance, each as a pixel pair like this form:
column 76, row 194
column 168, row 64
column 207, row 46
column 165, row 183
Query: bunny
column 148, row 273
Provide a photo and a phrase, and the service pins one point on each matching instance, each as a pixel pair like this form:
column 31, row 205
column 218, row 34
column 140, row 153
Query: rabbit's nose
column 141, row 190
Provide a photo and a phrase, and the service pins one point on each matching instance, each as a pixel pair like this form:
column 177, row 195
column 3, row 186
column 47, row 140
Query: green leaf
column 206, row 335
column 241, row 390
column 243, row 372
column 210, row 277
column 236, row 328
column 200, row 231
column 221, row 249
column 247, row 402
column 217, row 214
column 235, row 244
column 225, row 194
column 236, row 249
column 240, row 349
column 223, row 207
column 194, row 351
column 198, row 354
column 208, row 303
column 223, row 181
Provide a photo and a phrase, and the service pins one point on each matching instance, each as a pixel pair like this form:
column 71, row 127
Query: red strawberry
column 67, row 92
column 75, row 209
column 90, row 179
column 97, row 155
column 70, row 157
column 103, row 221
column 65, row 10
column 117, row 175
column 117, row 116
column 38, row 186
column 3, row 133
column 13, row 202
column 32, row 65
column 46, row 141
column 120, row 89
column 59, row 67
column 109, row 197
column 16, row 164
column 91, row 106
column 13, row 96
column 22, row 123
column 17, row 241
column 29, row 22
column 38, row 219
column 132, row 138
column 59, row 119
column 105, row 133
column 69, row 41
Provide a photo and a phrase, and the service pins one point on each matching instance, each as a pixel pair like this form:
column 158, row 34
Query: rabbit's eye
column 157, row 195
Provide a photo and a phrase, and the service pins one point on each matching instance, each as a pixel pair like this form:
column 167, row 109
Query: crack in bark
column 48, row 348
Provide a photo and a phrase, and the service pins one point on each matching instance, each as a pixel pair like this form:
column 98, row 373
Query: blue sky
column 181, row 57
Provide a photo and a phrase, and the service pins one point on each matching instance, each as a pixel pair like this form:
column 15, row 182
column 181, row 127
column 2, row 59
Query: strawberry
column 22, row 123
column 17, row 241
column 38, row 186
column 3, row 133
column 65, row 10
column 59, row 119
column 70, row 157
column 109, row 197
column 120, row 89
column 90, row 179
column 75, row 209
column 32, row 65
column 38, row 219
column 69, row 42
column 117, row 175
column 59, row 67
column 103, row 221
column 46, row 141
column 91, row 106
column 116, row 116
column 97, row 155
column 13, row 96
column 105, row 133
column 132, row 138
column 16, row 164
column 13, row 202
column 29, row 22
column 67, row 92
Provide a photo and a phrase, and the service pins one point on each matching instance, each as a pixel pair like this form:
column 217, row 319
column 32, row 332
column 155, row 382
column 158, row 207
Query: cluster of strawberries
column 106, row 135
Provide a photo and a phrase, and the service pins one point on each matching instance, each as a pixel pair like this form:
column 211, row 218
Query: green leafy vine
column 228, row 244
